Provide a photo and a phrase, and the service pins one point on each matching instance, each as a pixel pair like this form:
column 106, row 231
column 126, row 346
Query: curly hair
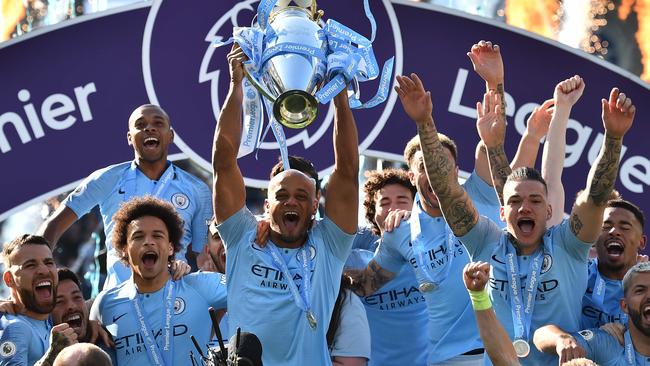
column 140, row 207
column 413, row 146
column 376, row 180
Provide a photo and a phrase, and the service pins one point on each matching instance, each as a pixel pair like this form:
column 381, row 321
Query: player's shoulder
column 198, row 279
column 188, row 177
column 14, row 322
column 113, row 295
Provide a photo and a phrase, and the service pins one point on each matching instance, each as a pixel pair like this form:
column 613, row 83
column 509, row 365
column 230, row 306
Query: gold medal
column 427, row 286
column 311, row 318
column 522, row 348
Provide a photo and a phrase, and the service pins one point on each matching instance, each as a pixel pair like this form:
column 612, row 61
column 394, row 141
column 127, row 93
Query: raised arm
column 492, row 130
column 494, row 336
column 587, row 213
column 456, row 206
column 57, row 224
column 536, row 128
column 488, row 64
column 342, row 200
column 566, row 94
column 229, row 194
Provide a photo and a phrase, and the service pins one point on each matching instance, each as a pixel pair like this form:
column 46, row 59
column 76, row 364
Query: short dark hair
column 66, row 274
column 627, row 205
column 413, row 146
column 145, row 206
column 298, row 163
column 10, row 248
column 525, row 173
column 376, row 180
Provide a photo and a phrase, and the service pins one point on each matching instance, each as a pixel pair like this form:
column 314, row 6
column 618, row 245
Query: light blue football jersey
column 194, row 294
column 397, row 315
column 260, row 300
column 596, row 314
column 563, row 275
column 605, row 350
column 23, row 340
column 110, row 186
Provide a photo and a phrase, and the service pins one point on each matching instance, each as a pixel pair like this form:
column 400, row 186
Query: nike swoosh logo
column 116, row 318
column 121, row 191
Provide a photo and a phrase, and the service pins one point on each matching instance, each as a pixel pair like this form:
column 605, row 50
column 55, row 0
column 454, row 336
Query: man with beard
column 285, row 291
column 29, row 338
column 526, row 256
column 149, row 173
column 151, row 316
column 70, row 306
column 597, row 344
column 617, row 247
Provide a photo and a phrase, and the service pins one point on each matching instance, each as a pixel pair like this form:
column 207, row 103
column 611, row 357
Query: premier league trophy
column 296, row 61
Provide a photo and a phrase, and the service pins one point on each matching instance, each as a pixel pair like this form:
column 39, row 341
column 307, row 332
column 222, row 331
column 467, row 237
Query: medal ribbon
column 302, row 298
column 156, row 355
column 522, row 310
column 630, row 354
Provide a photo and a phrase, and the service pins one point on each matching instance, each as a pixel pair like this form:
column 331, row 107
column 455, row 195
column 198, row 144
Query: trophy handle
column 257, row 85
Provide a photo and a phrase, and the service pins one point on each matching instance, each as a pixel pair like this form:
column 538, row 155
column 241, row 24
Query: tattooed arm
column 61, row 337
column 587, row 213
column 456, row 206
column 367, row 281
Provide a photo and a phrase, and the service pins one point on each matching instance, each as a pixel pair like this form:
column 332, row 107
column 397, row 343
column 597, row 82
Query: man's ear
column 172, row 131
column 412, row 178
column 502, row 214
column 644, row 240
column 624, row 306
column 8, row 277
column 266, row 206
column 171, row 249
column 549, row 212
column 128, row 138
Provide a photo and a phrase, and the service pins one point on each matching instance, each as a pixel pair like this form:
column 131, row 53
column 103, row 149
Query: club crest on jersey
column 7, row 349
column 179, row 305
column 180, row 201
column 547, row 263
column 312, row 254
column 586, row 334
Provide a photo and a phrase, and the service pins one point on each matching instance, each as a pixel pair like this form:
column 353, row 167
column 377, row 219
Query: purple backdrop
column 67, row 91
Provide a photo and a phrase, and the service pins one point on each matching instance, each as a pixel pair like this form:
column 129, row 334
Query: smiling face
column 419, row 179
column 620, row 240
column 148, row 247
column 71, row 308
column 637, row 302
column 33, row 278
column 150, row 133
column 291, row 204
column 389, row 198
column 525, row 211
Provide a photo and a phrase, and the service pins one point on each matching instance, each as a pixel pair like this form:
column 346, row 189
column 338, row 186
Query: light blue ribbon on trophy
column 421, row 230
column 345, row 63
column 301, row 298
column 521, row 307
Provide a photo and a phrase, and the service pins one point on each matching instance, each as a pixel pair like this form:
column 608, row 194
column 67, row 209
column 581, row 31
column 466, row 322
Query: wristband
column 480, row 300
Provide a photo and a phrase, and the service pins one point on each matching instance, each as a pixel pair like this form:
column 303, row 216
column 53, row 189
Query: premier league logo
column 178, row 54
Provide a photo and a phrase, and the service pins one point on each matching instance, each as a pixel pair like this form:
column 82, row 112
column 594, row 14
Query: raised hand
column 236, row 57
column 568, row 92
column 179, row 269
column 487, row 62
column 618, row 113
column 491, row 128
column 540, row 120
column 476, row 275
column 415, row 100
column 394, row 219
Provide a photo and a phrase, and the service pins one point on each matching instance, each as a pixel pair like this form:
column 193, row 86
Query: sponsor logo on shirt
column 7, row 349
column 394, row 298
column 134, row 343
column 273, row 278
column 601, row 316
column 439, row 256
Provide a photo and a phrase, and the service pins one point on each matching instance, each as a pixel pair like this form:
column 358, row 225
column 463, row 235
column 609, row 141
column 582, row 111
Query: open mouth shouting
column 290, row 220
column 151, row 143
column 43, row 290
column 526, row 225
column 614, row 248
column 74, row 320
column 149, row 259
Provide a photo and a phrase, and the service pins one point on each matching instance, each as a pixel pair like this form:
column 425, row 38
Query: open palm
column 490, row 127
column 415, row 100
